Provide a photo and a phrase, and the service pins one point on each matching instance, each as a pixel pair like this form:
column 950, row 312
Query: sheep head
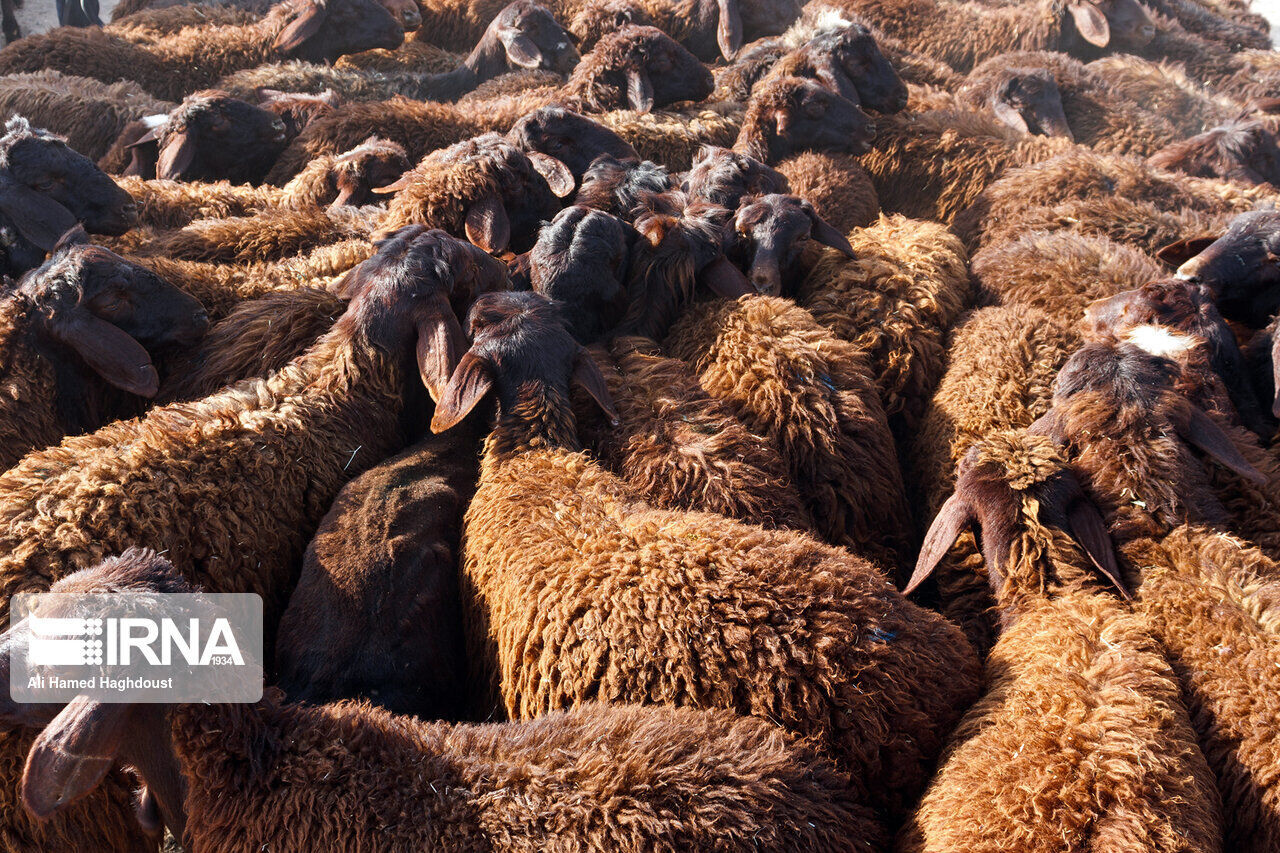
column 1028, row 100
column 1244, row 151
column 109, row 311
column 323, row 30
column 850, row 63
column 721, row 176
column 295, row 109
column 568, row 137
column 1241, row 267
column 788, row 115
column 373, row 163
column 770, row 233
column 1111, row 23
column 523, row 35
column 1022, row 498
column 621, row 187
column 46, row 187
column 213, row 136
column 414, row 287
column 523, row 353
column 640, row 68
column 580, row 262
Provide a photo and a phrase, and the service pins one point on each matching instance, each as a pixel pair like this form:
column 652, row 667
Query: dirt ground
column 37, row 16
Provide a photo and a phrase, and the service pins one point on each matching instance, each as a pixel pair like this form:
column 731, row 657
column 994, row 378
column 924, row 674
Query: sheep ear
column 587, row 374
column 782, row 121
column 1179, row 252
column 303, row 27
column 396, row 185
column 947, row 524
column 471, row 380
column 152, row 135
column 176, row 156
column 1050, row 425
column 1209, row 437
column 1009, row 116
column 1090, row 23
column 724, row 279
column 826, row 234
column 729, row 28
column 1090, row 531
column 519, row 47
column 558, row 176
column 72, row 755
column 75, row 236
column 108, row 350
column 487, row 224
column 440, row 347
column 639, row 90
column 38, row 218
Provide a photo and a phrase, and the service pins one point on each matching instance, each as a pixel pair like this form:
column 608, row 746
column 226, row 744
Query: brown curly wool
column 1166, row 90
column 985, row 388
column 932, row 165
column 1081, row 738
column 1098, row 116
column 836, row 185
column 605, row 597
column 894, row 301
column 680, row 447
column 1060, row 272
column 173, row 204
column 1211, row 601
column 267, row 235
column 673, row 137
column 793, row 382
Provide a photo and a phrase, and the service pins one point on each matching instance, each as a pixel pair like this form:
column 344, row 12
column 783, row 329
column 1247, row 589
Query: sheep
column 621, row 188
column 1240, row 267
column 1232, row 33
column 934, row 164
column 484, row 188
column 1060, row 272
column 1081, row 738
column 294, row 76
column 636, row 67
column 1209, row 600
column 722, row 177
column 894, row 300
column 624, row 778
column 770, row 233
column 1244, row 151
column 580, row 261
column 88, row 113
column 985, row 388
column 298, row 110
column 212, row 136
column 1082, row 176
column 221, row 471
column 522, row 353
column 1054, row 95
column 964, row 34
column 789, row 379
column 414, row 57
column 572, row 139
column 147, row 25
column 837, row 186
column 1165, row 90
column 45, row 189
column 790, row 115
column 78, row 331
column 196, row 58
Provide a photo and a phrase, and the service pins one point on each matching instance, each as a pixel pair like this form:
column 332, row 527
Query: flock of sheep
column 655, row 425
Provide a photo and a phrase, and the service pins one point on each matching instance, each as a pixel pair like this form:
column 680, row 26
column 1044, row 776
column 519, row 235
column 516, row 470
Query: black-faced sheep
column 790, row 115
column 638, row 68
column 634, row 558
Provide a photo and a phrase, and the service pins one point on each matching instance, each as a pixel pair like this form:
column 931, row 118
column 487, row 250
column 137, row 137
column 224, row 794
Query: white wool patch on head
column 152, row 122
column 818, row 18
column 1160, row 340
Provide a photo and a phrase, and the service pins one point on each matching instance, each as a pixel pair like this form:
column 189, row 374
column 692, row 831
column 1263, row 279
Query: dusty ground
column 36, row 16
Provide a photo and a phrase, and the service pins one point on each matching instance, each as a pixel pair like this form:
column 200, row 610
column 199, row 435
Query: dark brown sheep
column 580, row 262
column 623, row 188
column 772, row 635
column 1244, row 150
column 848, row 62
column 722, row 177
column 669, row 778
column 1241, row 267
column 570, row 138
column 485, row 189
column 77, row 332
column 770, row 235
column 640, row 68
column 790, row 115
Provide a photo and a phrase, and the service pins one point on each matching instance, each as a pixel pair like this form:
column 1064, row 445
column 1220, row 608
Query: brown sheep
column 1165, row 90
column 636, row 67
column 722, row 177
column 790, row 115
column 485, row 189
column 1060, row 272
column 811, row 394
column 894, row 300
column 1244, row 151
column 837, row 185
column 985, row 388
column 77, row 336
column 773, row 635
column 625, row 778
column 198, row 57
column 1081, row 738
column 205, row 477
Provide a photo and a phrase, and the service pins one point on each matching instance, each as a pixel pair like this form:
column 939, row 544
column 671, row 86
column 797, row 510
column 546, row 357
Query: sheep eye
column 45, row 185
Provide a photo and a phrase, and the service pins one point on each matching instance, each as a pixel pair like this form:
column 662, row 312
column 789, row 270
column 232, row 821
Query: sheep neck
column 148, row 748
column 540, row 416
